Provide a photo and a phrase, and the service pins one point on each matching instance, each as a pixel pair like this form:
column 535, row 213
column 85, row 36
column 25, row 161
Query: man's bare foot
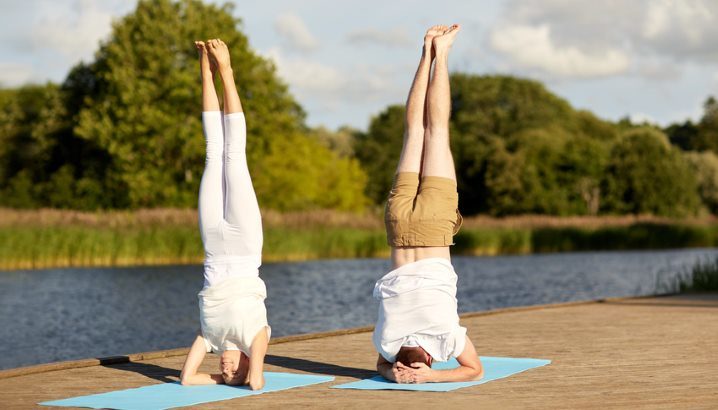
column 442, row 43
column 219, row 52
column 205, row 64
column 429, row 38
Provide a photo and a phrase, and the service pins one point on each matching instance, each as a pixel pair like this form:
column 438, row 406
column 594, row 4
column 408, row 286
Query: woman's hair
column 413, row 354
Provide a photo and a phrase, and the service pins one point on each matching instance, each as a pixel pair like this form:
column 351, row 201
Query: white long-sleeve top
column 418, row 306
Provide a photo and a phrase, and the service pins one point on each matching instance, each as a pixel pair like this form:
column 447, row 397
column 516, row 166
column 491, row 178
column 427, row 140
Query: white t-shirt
column 232, row 313
column 418, row 306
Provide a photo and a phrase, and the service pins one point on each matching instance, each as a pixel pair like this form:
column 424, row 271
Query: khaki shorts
column 422, row 214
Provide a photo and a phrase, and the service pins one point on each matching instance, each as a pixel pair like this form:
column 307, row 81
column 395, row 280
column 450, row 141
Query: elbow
column 185, row 380
column 477, row 374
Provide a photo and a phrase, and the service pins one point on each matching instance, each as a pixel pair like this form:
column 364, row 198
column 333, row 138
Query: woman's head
column 234, row 366
column 413, row 354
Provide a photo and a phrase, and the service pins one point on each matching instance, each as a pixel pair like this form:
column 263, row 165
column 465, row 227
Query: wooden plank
column 641, row 353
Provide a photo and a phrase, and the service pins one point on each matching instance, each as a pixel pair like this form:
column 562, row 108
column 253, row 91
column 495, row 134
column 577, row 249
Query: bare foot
column 443, row 42
column 205, row 64
column 429, row 38
column 219, row 52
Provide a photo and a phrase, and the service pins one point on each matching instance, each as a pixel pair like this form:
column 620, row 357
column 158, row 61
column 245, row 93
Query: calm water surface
column 63, row 314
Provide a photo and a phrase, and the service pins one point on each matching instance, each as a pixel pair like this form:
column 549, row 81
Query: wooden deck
column 632, row 353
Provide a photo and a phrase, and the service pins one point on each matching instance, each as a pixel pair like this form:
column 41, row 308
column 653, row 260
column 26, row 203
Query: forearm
column 200, row 379
column 460, row 374
column 385, row 370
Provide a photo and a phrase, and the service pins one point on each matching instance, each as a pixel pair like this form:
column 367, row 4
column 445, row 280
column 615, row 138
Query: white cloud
column 307, row 74
column 585, row 38
column 397, row 37
column 14, row 74
column 74, row 32
column 533, row 48
column 313, row 79
column 295, row 33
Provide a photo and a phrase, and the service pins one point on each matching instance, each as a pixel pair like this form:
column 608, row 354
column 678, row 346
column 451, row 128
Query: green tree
column 378, row 151
column 646, row 175
column 145, row 103
column 708, row 127
column 517, row 148
column 705, row 167
column 684, row 136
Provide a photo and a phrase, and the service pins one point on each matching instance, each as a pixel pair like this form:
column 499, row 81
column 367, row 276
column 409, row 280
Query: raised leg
column 415, row 121
column 437, row 152
column 241, row 208
column 211, row 191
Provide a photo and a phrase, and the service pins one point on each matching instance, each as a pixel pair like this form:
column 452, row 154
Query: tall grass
column 702, row 277
column 54, row 238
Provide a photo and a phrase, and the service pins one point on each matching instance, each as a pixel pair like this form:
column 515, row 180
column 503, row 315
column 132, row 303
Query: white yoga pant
column 229, row 219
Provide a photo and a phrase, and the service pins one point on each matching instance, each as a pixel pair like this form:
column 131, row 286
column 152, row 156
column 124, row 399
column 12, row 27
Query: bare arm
column 395, row 372
column 385, row 368
column 255, row 378
column 189, row 375
column 469, row 369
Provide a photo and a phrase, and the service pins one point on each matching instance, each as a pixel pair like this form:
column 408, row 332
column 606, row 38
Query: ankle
column 442, row 54
column 226, row 72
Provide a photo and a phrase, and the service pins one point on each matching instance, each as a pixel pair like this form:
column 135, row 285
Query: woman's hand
column 255, row 380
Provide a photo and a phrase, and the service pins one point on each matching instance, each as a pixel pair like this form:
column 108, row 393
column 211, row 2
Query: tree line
column 124, row 131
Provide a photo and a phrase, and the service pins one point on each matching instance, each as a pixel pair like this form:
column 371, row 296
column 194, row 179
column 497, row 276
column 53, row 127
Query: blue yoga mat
column 169, row 395
column 494, row 368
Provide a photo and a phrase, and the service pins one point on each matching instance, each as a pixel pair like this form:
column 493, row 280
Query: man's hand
column 421, row 373
column 402, row 374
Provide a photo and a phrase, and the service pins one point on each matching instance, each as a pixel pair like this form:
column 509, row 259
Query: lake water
column 63, row 314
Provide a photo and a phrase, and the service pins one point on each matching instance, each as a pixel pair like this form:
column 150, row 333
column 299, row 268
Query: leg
column 220, row 54
column 437, row 152
column 211, row 196
column 415, row 122
column 241, row 207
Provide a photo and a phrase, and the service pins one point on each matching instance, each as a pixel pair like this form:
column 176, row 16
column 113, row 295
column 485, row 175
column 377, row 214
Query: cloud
column 395, row 38
column 74, row 32
column 14, row 74
column 533, row 48
column 295, row 33
column 314, row 79
column 583, row 38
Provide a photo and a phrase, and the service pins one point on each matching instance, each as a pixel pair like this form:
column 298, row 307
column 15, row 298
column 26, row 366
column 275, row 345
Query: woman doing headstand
column 233, row 317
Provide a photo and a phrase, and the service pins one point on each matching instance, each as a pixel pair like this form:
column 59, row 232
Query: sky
column 345, row 61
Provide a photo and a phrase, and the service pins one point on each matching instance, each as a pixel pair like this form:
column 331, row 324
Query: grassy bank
column 52, row 238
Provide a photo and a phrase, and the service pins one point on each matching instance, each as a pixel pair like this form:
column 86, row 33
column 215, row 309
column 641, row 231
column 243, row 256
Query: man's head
column 234, row 366
column 413, row 354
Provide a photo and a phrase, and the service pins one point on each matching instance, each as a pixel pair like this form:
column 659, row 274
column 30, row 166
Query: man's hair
column 413, row 354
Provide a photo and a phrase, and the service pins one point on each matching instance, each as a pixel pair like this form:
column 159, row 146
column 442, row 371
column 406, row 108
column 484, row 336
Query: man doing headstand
column 418, row 321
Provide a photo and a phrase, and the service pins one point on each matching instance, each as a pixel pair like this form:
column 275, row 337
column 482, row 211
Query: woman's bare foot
column 442, row 43
column 206, row 66
column 219, row 52
column 429, row 38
